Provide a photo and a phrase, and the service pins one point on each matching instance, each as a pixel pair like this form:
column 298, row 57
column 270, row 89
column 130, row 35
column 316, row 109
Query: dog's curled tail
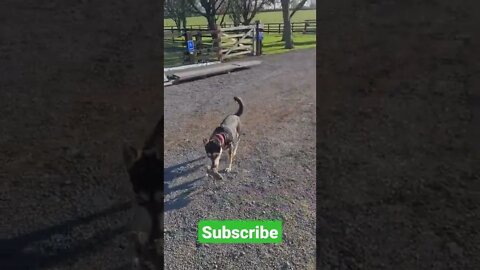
column 240, row 108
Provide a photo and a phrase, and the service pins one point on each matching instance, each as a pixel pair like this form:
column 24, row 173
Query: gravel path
column 272, row 178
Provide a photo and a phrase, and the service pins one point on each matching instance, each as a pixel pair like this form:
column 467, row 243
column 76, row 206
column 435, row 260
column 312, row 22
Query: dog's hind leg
column 232, row 154
column 235, row 149
column 230, row 159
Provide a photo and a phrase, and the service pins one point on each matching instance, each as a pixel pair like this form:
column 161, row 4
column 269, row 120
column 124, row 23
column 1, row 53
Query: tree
column 223, row 10
column 208, row 9
column 177, row 11
column 287, row 25
column 243, row 11
column 234, row 13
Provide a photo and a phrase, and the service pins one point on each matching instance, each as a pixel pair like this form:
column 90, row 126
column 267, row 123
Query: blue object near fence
column 260, row 35
column 190, row 46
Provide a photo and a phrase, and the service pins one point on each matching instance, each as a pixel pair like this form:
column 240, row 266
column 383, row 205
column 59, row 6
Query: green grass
column 273, row 44
column 264, row 17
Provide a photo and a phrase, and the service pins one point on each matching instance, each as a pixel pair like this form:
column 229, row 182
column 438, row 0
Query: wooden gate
column 236, row 41
column 220, row 44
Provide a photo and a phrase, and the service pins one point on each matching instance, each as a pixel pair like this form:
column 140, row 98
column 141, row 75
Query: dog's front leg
column 216, row 164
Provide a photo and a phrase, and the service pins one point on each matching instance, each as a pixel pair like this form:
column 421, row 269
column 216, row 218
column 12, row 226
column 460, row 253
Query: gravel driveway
column 272, row 178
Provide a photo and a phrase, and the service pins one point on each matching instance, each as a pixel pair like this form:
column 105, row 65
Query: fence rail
column 308, row 26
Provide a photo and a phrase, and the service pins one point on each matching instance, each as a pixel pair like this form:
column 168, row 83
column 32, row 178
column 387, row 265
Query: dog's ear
column 205, row 141
column 153, row 152
column 130, row 155
column 155, row 140
column 158, row 154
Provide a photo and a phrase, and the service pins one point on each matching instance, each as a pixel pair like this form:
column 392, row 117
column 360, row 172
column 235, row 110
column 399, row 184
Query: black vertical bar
column 257, row 38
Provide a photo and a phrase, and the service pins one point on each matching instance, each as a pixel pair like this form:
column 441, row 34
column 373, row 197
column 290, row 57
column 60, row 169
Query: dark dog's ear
column 155, row 140
column 158, row 154
column 153, row 152
column 130, row 155
column 205, row 141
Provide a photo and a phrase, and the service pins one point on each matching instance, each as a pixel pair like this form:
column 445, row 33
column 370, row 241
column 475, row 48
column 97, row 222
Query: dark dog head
column 145, row 169
column 214, row 150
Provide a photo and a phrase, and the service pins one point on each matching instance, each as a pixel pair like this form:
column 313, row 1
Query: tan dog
column 224, row 137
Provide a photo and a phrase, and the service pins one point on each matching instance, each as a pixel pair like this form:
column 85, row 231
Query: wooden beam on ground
column 201, row 72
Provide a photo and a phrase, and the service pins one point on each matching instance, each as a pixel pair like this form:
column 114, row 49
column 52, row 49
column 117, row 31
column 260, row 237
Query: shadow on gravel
column 176, row 171
column 14, row 253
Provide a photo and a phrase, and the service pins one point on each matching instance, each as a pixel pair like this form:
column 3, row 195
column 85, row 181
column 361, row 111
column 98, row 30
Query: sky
column 307, row 4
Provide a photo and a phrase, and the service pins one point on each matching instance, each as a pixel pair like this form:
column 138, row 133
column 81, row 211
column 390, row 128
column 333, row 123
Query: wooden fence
column 175, row 47
column 212, row 45
column 306, row 27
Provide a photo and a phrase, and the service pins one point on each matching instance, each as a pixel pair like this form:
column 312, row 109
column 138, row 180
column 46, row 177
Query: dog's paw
column 228, row 170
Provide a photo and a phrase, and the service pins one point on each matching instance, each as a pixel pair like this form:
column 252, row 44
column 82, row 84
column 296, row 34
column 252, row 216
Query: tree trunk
column 287, row 26
column 213, row 26
column 183, row 14
column 184, row 21
column 211, row 22
column 178, row 24
column 234, row 18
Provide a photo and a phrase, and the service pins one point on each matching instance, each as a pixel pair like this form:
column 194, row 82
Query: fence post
column 279, row 28
column 198, row 44
column 190, row 56
column 185, row 53
column 257, row 39
column 218, row 42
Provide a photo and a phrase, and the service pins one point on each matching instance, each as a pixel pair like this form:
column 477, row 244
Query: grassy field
column 264, row 17
column 272, row 44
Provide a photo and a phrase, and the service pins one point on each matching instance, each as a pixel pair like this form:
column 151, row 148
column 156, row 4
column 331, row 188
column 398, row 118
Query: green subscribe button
column 239, row 231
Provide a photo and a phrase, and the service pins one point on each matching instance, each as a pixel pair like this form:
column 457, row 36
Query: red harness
column 221, row 137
